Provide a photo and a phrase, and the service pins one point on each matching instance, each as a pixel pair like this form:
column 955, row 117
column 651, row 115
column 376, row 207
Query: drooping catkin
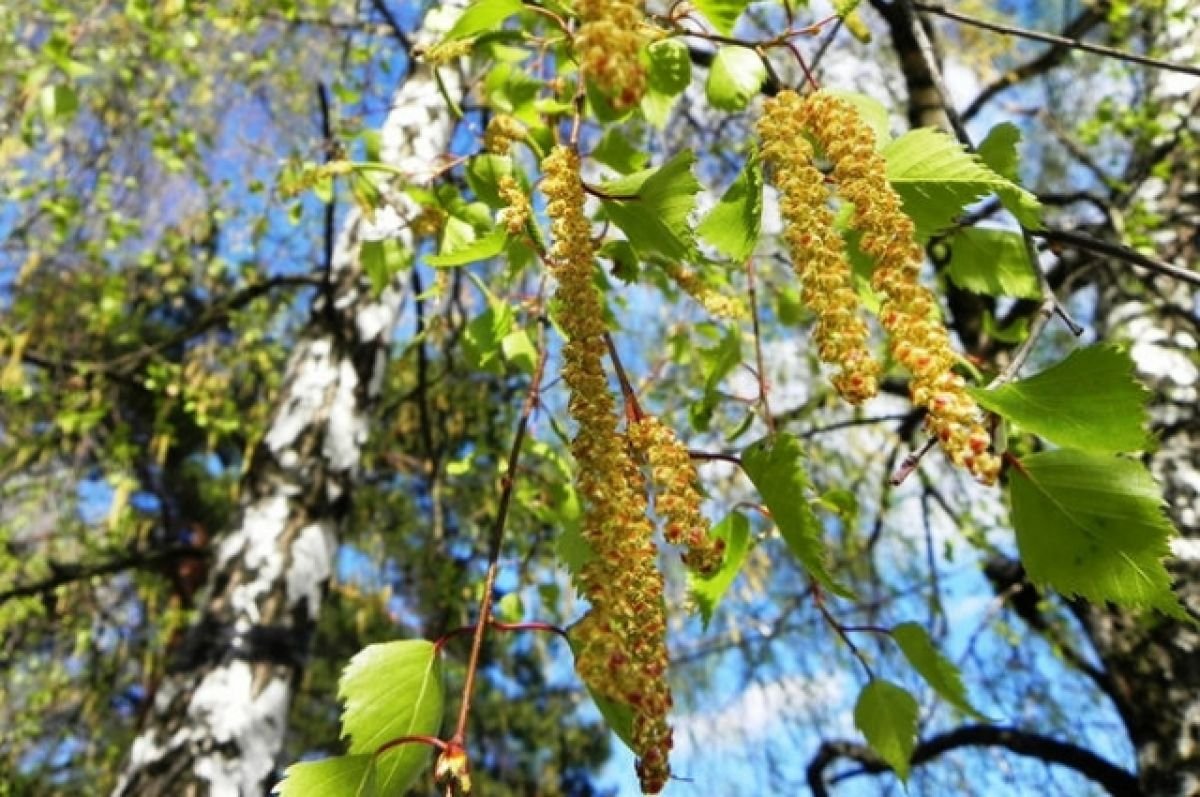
column 917, row 336
column 608, row 43
column 818, row 253
column 718, row 304
column 677, row 498
column 516, row 215
column 621, row 643
column 501, row 132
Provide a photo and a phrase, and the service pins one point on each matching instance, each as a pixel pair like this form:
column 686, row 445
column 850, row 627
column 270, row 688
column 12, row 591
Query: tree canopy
column 537, row 397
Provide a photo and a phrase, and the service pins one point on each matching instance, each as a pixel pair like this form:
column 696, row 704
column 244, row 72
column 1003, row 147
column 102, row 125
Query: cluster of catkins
column 621, row 651
column 608, row 42
column 908, row 313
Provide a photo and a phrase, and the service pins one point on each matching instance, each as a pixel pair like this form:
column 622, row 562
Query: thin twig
column 508, row 482
column 633, row 409
column 763, row 388
column 1120, row 252
column 1050, row 38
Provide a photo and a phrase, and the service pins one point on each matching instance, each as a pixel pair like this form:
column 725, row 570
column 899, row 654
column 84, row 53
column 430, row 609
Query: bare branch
column 1112, row 778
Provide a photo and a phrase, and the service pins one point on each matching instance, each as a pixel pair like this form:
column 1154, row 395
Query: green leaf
column 735, row 76
column 1093, row 525
column 519, row 350
column 718, row 361
column 848, row 11
column 484, row 336
column 887, row 716
column 656, row 107
column 937, row 179
column 707, row 592
column 721, row 13
column 992, row 262
column 999, row 150
column 461, row 254
column 1089, row 401
column 341, row 776
column 484, row 173
column 381, row 260
column 732, row 226
column 656, row 220
column 614, row 150
column 938, row 671
column 391, row 690
column 483, row 16
column 776, row 466
column 59, row 103
column 669, row 71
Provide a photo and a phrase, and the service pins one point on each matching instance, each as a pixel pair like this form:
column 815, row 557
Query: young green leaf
column 484, row 172
column 488, row 246
column 732, row 226
column 483, row 16
column 937, row 179
column 938, row 671
column 887, row 716
column 381, row 260
column 340, row 776
column 655, row 217
column 391, row 690
column 735, row 76
column 1089, row 401
column 707, row 592
column 992, row 262
column 615, row 150
column 776, row 466
column 1093, row 525
column 721, row 13
column 999, row 150
column 669, row 71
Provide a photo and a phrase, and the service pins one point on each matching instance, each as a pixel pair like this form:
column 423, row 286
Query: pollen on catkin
column 608, row 43
column 516, row 215
column 677, row 498
column 917, row 337
column 621, row 650
column 818, row 253
column 501, row 132
column 718, row 305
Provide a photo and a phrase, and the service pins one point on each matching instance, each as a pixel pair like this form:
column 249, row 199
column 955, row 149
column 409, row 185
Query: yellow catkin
column 445, row 52
column 818, row 253
column 516, row 215
column 677, row 498
column 621, row 643
column 917, row 336
column 501, row 132
column 608, row 42
column 718, row 304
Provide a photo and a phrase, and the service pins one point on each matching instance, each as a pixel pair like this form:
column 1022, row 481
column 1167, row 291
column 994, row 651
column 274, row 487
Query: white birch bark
column 219, row 717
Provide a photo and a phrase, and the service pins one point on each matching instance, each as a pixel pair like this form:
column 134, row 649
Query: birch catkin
column 818, row 254
column 608, row 43
column 918, row 338
column 621, row 648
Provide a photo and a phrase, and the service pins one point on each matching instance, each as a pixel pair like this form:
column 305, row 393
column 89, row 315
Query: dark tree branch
column 381, row 8
column 63, row 574
column 1081, row 241
column 1112, row 778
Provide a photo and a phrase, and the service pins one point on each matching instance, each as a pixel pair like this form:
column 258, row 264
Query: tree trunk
column 218, row 718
